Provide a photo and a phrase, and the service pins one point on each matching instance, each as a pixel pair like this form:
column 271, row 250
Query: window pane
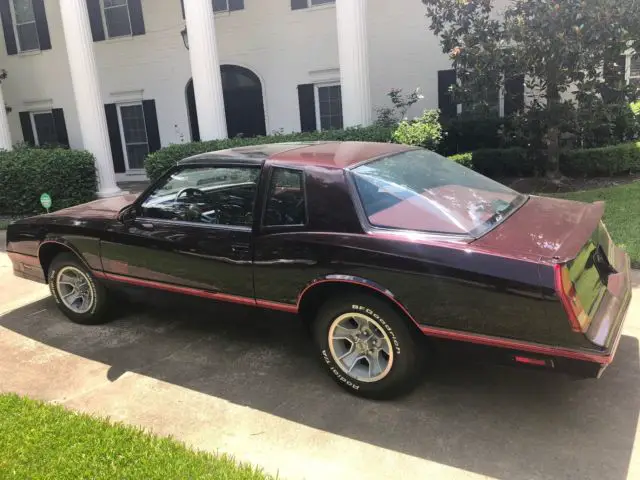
column 114, row 3
column 321, row 2
column 213, row 195
column 330, row 103
column 286, row 204
column 118, row 23
column 133, row 125
column 635, row 66
column 24, row 11
column 45, row 129
column 28, row 37
column 421, row 190
column 220, row 5
column 136, row 154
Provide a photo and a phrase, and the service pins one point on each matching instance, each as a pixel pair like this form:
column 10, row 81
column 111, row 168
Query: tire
column 91, row 309
column 397, row 372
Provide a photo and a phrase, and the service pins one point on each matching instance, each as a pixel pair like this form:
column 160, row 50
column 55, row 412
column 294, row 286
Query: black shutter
column 307, row 104
column 27, row 129
column 151, row 122
column 448, row 107
column 298, row 4
column 61, row 126
column 137, row 19
column 41, row 24
column 7, row 26
column 95, row 19
column 514, row 95
column 113, row 126
column 182, row 7
column 236, row 5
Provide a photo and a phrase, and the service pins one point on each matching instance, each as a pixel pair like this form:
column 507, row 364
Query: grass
column 41, row 441
column 622, row 214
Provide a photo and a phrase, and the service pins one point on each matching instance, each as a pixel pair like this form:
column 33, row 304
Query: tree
column 558, row 45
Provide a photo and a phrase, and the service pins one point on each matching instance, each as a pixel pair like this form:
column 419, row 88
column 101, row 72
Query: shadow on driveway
column 497, row 421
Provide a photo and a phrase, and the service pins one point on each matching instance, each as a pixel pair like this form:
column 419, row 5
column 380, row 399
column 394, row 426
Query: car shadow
column 497, row 421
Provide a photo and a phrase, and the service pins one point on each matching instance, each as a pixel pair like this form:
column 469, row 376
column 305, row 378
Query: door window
column 209, row 195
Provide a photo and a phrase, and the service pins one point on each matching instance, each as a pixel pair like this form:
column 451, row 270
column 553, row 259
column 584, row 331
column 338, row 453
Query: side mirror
column 127, row 214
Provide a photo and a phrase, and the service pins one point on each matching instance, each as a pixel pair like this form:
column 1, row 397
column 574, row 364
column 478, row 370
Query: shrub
column 613, row 160
column 391, row 116
column 158, row 162
column 467, row 134
column 69, row 176
column 464, row 159
column 497, row 162
column 425, row 131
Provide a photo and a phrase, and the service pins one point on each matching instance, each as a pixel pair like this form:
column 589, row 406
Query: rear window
column 421, row 190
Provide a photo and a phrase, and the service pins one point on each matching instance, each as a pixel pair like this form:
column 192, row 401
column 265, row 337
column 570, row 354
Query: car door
column 190, row 233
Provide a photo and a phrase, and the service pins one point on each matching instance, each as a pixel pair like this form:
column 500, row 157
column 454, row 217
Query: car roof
column 325, row 154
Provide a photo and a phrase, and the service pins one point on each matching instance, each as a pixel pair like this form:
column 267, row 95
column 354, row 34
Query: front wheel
column 367, row 347
column 78, row 295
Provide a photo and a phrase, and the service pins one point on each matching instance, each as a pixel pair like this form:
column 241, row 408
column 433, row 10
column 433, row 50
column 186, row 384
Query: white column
column 5, row 134
column 205, row 69
column 354, row 62
column 86, row 88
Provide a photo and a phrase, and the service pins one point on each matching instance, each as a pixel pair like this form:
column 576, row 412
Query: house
column 122, row 78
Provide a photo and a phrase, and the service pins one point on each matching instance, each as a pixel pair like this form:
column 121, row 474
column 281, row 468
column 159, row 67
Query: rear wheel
column 78, row 295
column 367, row 347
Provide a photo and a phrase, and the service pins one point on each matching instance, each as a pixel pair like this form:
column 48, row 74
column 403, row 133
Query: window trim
column 136, row 207
column 34, row 129
column 14, row 19
column 316, row 95
column 103, row 14
column 265, row 200
column 123, row 140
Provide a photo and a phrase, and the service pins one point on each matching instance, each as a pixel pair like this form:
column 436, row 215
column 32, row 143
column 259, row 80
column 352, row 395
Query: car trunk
column 591, row 273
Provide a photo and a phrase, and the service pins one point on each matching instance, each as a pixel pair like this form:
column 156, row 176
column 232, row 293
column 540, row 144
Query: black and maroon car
column 375, row 246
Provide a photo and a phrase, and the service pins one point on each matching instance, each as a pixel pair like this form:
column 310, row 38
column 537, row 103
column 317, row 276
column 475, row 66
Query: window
column 421, row 190
column 25, row 25
column 134, row 134
column 117, row 19
column 329, row 107
column 286, row 202
column 209, row 195
column 44, row 128
column 299, row 4
column 227, row 5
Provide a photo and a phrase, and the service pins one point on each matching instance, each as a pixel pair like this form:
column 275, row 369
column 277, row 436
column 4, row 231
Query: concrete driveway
column 245, row 382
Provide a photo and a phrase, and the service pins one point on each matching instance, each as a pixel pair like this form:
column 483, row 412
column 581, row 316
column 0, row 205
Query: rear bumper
column 27, row 267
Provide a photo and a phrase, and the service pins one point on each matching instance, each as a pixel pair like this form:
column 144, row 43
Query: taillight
column 578, row 318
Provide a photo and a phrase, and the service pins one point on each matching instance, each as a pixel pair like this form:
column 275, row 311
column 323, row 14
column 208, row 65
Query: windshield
column 421, row 190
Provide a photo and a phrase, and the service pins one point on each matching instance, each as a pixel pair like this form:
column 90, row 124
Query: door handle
column 146, row 226
column 239, row 248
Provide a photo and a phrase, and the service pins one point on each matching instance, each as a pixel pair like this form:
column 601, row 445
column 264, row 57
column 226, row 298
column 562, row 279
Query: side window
column 286, row 200
column 209, row 195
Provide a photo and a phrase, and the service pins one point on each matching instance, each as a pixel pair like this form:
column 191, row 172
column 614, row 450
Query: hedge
column 498, row 162
column 591, row 162
column 158, row 162
column 69, row 176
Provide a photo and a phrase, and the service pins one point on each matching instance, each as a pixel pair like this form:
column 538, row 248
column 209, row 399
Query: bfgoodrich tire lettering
column 96, row 312
column 403, row 358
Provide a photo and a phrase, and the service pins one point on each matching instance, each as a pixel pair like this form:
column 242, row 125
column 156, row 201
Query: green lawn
column 622, row 214
column 40, row 441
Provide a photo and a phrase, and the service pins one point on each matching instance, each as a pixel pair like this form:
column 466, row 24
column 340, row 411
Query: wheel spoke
column 72, row 300
column 351, row 359
column 343, row 333
column 375, row 368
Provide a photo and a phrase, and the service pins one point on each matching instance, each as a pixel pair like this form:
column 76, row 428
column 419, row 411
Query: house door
column 243, row 103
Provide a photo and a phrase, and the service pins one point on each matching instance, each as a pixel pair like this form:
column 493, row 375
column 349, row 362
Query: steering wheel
column 189, row 191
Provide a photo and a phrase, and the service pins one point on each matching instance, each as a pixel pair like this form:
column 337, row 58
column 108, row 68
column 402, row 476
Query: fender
column 353, row 280
column 65, row 243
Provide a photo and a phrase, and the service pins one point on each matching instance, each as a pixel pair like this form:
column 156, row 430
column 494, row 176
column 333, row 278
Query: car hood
column 544, row 228
column 103, row 208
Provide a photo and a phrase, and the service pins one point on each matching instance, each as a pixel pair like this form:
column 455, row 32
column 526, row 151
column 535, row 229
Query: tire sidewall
column 90, row 316
column 395, row 327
